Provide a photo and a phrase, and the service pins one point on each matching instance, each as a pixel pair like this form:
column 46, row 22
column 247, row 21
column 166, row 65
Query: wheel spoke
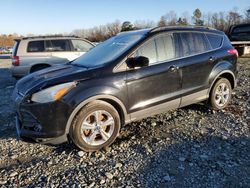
column 87, row 126
column 92, row 137
column 218, row 99
column 109, row 121
column 97, row 115
column 104, row 135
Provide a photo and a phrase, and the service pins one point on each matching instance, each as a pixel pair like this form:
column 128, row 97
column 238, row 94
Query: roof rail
column 178, row 26
column 50, row 36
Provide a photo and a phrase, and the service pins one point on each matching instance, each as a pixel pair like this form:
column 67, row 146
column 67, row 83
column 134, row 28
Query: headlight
column 52, row 93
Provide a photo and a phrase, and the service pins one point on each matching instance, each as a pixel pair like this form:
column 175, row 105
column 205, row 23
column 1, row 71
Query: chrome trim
column 194, row 98
column 173, row 104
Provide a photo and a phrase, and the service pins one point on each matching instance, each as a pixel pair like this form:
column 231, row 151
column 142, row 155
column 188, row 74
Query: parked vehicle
column 128, row 77
column 31, row 54
column 240, row 38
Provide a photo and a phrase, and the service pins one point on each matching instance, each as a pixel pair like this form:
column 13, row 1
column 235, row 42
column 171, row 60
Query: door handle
column 211, row 59
column 173, row 68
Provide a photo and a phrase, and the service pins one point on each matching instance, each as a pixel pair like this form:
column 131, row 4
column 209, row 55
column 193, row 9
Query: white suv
column 31, row 54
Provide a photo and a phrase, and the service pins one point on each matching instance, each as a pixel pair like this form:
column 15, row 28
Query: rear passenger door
column 196, row 64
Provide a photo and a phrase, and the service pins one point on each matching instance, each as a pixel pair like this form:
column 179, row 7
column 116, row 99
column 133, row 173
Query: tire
column 38, row 68
column 220, row 99
column 89, row 134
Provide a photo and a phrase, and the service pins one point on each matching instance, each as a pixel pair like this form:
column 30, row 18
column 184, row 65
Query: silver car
column 31, row 54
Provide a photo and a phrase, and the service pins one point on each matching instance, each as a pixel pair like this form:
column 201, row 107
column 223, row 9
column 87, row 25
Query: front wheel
column 96, row 126
column 221, row 93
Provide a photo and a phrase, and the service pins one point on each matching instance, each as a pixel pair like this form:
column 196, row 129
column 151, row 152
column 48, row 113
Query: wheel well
column 38, row 65
column 229, row 77
column 117, row 107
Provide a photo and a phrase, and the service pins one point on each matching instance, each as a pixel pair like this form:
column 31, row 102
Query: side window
column 60, row 45
column 148, row 50
column 165, row 47
column 193, row 43
column 81, row 46
column 215, row 40
column 36, row 46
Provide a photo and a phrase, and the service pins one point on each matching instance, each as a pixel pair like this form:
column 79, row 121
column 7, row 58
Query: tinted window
column 148, row 50
column 215, row 40
column 193, row 43
column 58, row 45
column 165, row 47
column 36, row 46
column 81, row 46
column 242, row 29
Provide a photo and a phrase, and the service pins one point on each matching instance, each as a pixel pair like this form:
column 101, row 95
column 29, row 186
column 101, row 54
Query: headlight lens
column 52, row 93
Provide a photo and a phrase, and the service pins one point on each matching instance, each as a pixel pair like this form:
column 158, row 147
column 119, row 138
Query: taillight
column 233, row 52
column 15, row 60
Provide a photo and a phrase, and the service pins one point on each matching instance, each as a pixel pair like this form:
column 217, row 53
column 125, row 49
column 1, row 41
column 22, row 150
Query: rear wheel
column 96, row 126
column 221, row 94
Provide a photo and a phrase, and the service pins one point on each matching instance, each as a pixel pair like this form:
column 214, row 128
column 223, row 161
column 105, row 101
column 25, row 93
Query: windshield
column 109, row 49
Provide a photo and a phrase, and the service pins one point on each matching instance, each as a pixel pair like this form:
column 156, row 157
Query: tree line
column 218, row 20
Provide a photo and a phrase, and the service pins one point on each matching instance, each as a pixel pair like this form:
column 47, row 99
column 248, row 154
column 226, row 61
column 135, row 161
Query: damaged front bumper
column 42, row 122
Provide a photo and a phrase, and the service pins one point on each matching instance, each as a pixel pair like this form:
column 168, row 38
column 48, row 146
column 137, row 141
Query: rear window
column 242, row 29
column 215, row 40
column 193, row 43
column 58, row 45
column 36, row 46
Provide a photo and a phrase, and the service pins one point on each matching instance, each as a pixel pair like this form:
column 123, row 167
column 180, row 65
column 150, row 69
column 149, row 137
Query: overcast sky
column 63, row 16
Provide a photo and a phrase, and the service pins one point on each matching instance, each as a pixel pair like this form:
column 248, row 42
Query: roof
column 48, row 37
column 185, row 28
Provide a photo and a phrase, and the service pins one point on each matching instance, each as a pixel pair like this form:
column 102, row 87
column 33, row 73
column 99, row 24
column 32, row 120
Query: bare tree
column 171, row 18
column 247, row 15
column 162, row 22
column 233, row 17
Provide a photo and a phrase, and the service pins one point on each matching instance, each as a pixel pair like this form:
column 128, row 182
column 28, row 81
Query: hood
column 51, row 76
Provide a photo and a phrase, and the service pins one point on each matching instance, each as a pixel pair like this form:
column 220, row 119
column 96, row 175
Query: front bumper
column 44, row 123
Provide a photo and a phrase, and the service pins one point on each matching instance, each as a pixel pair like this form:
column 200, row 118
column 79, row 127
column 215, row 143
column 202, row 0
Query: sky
column 63, row 16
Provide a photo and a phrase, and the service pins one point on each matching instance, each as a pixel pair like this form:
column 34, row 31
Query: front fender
column 81, row 97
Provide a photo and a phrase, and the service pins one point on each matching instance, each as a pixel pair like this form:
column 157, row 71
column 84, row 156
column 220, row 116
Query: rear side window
column 148, row 50
column 215, row 40
column 36, row 46
column 165, row 47
column 58, row 45
column 81, row 46
column 193, row 43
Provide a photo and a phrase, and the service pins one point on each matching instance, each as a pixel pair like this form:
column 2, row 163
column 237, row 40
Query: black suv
column 128, row 77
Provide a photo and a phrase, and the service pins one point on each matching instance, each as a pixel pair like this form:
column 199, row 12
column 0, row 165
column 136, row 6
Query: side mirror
column 139, row 61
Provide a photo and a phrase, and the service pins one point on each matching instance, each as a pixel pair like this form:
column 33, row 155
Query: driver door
column 155, row 87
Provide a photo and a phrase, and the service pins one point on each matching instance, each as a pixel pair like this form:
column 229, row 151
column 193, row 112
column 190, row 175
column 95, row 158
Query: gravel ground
column 188, row 147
